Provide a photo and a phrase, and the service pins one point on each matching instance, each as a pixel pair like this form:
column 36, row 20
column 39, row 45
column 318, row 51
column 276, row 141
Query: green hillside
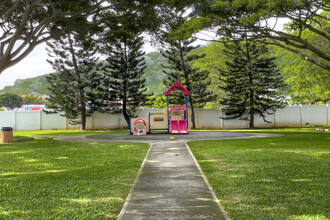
column 26, row 86
column 153, row 75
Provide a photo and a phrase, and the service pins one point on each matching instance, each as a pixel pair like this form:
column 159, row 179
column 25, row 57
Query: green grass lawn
column 270, row 178
column 25, row 134
column 46, row 179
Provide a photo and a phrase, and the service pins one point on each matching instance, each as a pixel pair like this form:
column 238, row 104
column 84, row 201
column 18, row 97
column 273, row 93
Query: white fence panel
column 27, row 121
column 108, row 121
column 205, row 118
column 7, row 119
column 208, row 118
column 53, row 121
column 234, row 123
column 328, row 116
column 288, row 116
column 314, row 115
column 144, row 113
column 259, row 121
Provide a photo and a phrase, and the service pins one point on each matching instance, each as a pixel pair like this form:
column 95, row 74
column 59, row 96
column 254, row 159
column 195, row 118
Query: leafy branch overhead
column 26, row 24
column 258, row 19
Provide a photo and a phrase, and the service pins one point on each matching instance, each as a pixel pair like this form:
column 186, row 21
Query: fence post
column 39, row 119
column 91, row 122
column 14, row 119
column 221, row 119
column 327, row 112
column 300, row 112
column 66, row 123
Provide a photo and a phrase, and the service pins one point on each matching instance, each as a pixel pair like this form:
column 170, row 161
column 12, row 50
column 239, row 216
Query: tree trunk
column 251, row 112
column 81, row 90
column 188, row 88
column 192, row 113
column 250, row 72
column 251, row 123
column 126, row 116
column 83, row 116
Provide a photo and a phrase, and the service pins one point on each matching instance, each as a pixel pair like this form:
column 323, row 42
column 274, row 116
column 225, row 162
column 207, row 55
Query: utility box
column 6, row 135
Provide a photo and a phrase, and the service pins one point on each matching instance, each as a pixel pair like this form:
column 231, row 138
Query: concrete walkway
column 160, row 138
column 171, row 186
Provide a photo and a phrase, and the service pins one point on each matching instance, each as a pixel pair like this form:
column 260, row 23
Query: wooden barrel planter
column 6, row 135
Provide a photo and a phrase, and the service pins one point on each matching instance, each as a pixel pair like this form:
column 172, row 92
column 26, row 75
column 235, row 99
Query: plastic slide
column 178, row 127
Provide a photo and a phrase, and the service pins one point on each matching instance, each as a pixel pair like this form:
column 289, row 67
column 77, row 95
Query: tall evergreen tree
column 180, row 63
column 250, row 81
column 124, row 73
column 74, row 89
column 180, row 68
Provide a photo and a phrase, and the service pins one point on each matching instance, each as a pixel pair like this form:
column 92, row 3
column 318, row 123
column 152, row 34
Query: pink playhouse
column 174, row 119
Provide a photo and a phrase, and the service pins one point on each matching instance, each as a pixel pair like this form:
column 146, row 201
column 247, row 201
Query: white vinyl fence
column 205, row 118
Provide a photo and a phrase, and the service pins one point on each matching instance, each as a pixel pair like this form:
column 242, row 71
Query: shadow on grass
column 45, row 179
column 273, row 178
column 65, row 132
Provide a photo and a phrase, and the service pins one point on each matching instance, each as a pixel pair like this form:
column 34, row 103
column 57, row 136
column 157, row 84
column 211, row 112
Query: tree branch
column 21, row 32
column 304, row 56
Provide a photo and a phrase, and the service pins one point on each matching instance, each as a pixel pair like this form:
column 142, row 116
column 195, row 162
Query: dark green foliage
column 26, row 24
column 75, row 86
column 235, row 18
column 250, row 81
column 124, row 74
column 180, row 68
column 32, row 99
column 11, row 101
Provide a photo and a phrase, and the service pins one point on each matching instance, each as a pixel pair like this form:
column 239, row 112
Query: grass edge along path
column 270, row 178
column 73, row 132
column 46, row 179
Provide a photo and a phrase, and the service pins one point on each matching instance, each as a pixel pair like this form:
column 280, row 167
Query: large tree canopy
column 11, row 101
column 24, row 24
column 234, row 18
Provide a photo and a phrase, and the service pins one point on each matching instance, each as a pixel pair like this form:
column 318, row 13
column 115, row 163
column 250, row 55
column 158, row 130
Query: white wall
column 314, row 115
column 53, row 121
column 289, row 116
column 205, row 118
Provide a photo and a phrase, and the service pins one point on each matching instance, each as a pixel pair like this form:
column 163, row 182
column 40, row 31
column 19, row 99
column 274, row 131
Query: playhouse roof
column 177, row 85
column 177, row 107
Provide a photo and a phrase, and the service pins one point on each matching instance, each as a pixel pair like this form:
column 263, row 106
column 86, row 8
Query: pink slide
column 178, row 127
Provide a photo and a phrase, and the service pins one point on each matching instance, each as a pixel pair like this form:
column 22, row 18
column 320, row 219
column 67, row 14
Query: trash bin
column 6, row 135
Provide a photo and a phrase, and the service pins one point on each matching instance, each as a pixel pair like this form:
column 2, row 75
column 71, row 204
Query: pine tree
column 74, row 87
column 124, row 74
column 179, row 68
column 250, row 81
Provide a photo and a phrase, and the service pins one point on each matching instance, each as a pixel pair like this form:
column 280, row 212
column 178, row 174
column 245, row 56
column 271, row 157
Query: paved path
column 171, row 186
column 160, row 138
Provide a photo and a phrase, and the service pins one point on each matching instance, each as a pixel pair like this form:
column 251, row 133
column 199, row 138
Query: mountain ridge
column 153, row 75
